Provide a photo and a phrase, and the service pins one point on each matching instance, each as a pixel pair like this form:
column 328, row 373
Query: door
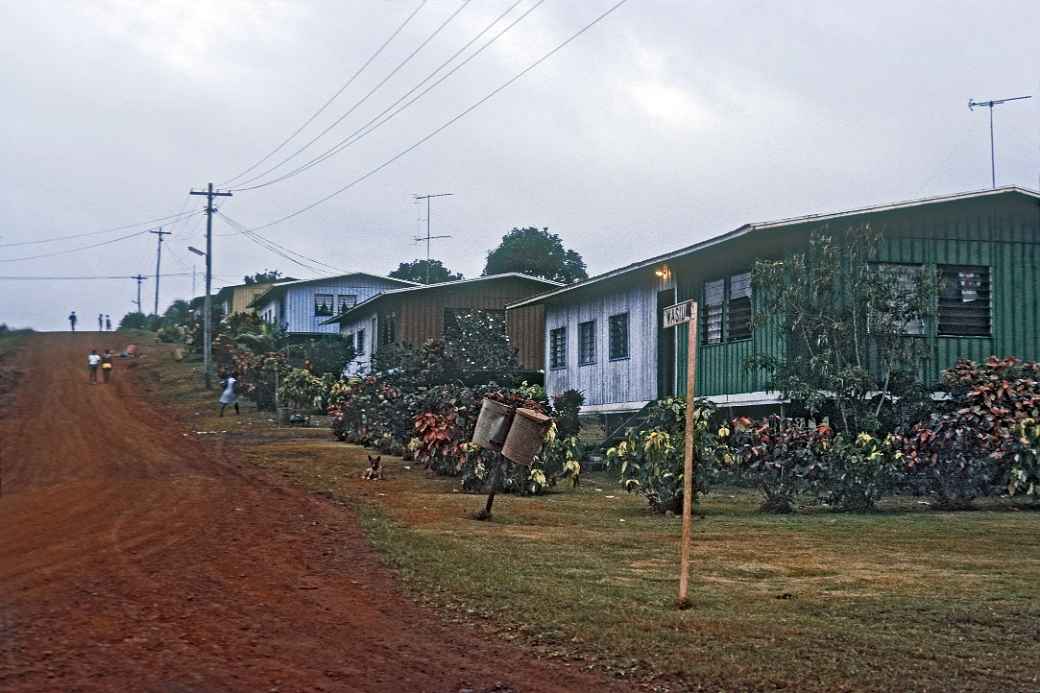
column 665, row 347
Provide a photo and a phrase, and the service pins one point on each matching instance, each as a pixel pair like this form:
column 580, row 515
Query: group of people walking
column 104, row 322
column 102, row 362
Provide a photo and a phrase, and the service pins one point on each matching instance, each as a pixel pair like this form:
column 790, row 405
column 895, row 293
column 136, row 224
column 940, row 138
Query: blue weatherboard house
column 304, row 306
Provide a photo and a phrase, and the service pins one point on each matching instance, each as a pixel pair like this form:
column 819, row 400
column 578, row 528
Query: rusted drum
column 526, row 436
column 492, row 424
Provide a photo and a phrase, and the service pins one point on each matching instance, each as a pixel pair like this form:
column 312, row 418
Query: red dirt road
column 134, row 559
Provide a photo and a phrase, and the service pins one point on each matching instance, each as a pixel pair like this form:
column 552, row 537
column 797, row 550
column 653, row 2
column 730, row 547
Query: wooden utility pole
column 207, row 327
column 686, row 312
column 139, row 278
column 158, row 262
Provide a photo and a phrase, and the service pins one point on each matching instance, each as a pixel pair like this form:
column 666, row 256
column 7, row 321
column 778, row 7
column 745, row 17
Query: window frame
column 331, row 304
column 359, row 342
column 611, row 321
column 562, row 363
column 339, row 302
column 727, row 319
column 590, row 326
column 894, row 267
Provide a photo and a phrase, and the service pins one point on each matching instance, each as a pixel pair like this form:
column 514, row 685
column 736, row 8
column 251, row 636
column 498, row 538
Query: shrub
column 974, row 446
column 650, row 460
column 779, row 456
column 567, row 406
column 856, row 472
column 301, row 390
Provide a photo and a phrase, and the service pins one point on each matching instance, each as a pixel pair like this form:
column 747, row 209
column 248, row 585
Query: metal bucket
column 492, row 424
column 526, row 436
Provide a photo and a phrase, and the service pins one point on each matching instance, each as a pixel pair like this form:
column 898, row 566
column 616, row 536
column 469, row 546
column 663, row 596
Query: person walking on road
column 72, row 320
column 93, row 361
column 230, row 393
column 108, row 323
column 106, row 366
column 100, row 322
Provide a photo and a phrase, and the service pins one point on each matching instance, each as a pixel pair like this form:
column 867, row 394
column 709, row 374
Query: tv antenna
column 972, row 103
column 428, row 237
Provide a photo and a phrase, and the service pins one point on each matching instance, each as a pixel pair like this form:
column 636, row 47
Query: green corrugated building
column 604, row 335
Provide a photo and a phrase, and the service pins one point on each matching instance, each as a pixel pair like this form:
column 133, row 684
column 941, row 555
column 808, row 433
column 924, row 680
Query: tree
column 425, row 272
column 538, row 253
column 133, row 321
column 265, row 277
column 853, row 330
column 178, row 312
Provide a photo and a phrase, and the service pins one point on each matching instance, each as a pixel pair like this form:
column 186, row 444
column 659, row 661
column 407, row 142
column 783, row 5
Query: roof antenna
column 972, row 103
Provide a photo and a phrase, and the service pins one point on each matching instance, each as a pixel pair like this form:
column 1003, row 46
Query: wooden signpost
column 686, row 312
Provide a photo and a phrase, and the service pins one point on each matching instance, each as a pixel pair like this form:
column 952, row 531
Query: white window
column 346, row 302
column 324, row 305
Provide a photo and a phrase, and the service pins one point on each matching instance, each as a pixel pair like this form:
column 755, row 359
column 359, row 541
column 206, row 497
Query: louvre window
column 558, row 348
column 360, row 344
column 619, row 336
column 587, row 343
column 964, row 309
column 714, row 296
column 738, row 319
column 324, row 304
column 905, row 279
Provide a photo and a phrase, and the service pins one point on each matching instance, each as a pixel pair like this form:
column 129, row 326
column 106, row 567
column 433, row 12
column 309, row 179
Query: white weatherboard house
column 301, row 307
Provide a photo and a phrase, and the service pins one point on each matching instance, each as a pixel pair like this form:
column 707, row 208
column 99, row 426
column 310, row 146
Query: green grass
column 904, row 599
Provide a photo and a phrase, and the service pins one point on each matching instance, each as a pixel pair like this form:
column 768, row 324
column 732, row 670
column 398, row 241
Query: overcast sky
column 666, row 123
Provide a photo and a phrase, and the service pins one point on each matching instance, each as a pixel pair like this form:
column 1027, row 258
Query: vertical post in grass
column 686, row 312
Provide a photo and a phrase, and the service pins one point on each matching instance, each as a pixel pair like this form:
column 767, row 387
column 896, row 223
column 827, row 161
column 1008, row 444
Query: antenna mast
column 972, row 103
column 428, row 237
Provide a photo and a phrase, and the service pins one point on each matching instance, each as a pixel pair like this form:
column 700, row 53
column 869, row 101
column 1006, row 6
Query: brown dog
column 375, row 468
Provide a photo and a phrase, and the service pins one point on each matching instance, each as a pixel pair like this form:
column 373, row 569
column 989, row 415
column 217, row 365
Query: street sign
column 679, row 313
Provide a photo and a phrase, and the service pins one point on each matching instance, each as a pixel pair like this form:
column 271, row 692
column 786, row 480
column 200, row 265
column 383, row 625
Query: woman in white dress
column 230, row 393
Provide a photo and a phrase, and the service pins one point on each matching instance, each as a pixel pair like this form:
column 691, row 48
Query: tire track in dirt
column 134, row 558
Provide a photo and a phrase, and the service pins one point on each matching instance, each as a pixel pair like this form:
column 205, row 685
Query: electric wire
column 277, row 248
column 75, row 250
column 22, row 277
column 365, row 98
column 375, row 123
column 178, row 216
column 447, row 124
column 335, row 96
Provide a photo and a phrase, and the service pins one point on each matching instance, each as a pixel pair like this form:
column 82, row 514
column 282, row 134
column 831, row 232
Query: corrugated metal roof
column 779, row 223
column 277, row 288
column 367, row 303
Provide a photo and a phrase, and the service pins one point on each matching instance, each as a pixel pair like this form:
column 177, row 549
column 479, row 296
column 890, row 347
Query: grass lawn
column 904, row 599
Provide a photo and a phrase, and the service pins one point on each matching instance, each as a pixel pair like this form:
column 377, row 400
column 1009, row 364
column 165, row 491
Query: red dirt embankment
column 133, row 558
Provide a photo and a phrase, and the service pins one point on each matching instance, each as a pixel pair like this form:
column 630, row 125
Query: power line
column 177, row 216
column 75, row 250
column 25, row 277
column 447, row 124
column 276, row 248
column 375, row 123
column 334, row 96
column 365, row 98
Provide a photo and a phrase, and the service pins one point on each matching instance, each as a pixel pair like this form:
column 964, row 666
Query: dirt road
column 133, row 558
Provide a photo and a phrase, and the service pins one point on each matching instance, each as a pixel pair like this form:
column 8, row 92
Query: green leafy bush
column 855, row 473
column 650, row 460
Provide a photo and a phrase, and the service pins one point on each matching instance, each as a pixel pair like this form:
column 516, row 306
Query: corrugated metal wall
column 1002, row 233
